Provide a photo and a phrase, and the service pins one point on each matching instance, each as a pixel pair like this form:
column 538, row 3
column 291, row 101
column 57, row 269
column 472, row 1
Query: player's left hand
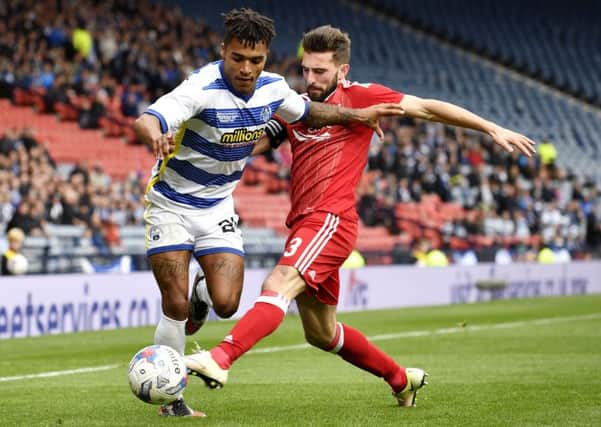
column 370, row 116
column 508, row 139
column 164, row 145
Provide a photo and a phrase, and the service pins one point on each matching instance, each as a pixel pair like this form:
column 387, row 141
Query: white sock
column 172, row 333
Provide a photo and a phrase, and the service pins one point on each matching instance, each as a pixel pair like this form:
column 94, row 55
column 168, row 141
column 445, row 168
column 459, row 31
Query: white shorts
column 169, row 227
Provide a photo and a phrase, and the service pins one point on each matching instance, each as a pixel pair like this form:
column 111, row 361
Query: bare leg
column 319, row 320
column 322, row 331
column 224, row 273
column 171, row 273
column 170, row 270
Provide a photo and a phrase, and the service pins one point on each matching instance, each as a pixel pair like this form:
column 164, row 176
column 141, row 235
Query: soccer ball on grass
column 157, row 374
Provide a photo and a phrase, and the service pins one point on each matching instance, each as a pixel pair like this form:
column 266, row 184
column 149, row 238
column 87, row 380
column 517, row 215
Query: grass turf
column 494, row 371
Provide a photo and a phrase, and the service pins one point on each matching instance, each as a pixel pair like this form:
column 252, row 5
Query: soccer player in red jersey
column 326, row 167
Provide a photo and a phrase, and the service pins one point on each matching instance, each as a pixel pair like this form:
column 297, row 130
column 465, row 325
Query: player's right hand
column 508, row 139
column 369, row 116
column 163, row 145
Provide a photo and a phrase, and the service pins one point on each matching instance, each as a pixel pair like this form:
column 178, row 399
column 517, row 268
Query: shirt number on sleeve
column 293, row 246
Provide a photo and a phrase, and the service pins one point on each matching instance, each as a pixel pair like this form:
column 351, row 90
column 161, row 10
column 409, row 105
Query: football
column 17, row 264
column 157, row 374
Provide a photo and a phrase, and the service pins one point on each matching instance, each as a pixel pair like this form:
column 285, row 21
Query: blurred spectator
column 546, row 256
column 98, row 178
column 354, row 260
column 420, row 252
column 13, row 262
column 111, row 234
column 82, row 40
column 547, row 152
column 96, row 235
column 26, row 220
column 92, row 110
column 503, row 256
column 467, row 258
column 436, row 258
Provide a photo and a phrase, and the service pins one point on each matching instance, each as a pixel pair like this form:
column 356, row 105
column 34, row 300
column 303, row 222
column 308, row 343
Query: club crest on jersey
column 241, row 135
column 266, row 113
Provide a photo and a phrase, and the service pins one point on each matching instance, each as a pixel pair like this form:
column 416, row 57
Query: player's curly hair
column 249, row 26
column 329, row 39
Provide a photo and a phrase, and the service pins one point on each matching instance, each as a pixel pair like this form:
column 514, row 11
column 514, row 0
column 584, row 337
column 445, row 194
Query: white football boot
column 204, row 366
column 416, row 379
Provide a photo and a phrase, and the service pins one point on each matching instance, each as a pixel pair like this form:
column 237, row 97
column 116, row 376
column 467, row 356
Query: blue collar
column 231, row 88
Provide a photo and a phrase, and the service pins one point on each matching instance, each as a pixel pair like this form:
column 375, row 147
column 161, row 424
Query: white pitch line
column 445, row 331
column 383, row 337
column 59, row 373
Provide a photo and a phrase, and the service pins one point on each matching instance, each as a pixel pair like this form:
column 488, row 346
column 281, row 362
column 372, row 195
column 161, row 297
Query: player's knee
column 176, row 306
column 225, row 309
column 285, row 281
column 272, row 283
column 317, row 339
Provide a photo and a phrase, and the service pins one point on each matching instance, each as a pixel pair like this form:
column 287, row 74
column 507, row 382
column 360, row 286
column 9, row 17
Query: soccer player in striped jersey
column 202, row 132
column 327, row 164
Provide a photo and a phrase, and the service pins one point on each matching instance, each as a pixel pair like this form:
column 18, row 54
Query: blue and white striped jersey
column 215, row 130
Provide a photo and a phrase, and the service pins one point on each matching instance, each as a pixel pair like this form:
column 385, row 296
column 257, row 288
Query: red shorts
column 317, row 246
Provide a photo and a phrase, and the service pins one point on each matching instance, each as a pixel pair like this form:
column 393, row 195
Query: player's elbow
column 146, row 127
column 139, row 125
column 418, row 108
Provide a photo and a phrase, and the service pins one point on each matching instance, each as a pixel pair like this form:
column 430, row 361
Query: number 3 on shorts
column 293, row 246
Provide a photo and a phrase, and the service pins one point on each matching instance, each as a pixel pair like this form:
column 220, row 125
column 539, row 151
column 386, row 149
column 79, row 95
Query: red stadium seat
column 67, row 143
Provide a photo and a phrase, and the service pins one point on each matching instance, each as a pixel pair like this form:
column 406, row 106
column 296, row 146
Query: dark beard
column 326, row 92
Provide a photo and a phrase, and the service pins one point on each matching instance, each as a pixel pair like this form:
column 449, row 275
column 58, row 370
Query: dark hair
column 329, row 39
column 249, row 26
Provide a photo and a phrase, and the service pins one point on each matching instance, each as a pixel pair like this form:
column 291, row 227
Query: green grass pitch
column 516, row 363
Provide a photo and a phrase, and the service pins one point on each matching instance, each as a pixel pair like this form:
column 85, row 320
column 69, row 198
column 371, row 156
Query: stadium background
column 73, row 76
column 73, row 173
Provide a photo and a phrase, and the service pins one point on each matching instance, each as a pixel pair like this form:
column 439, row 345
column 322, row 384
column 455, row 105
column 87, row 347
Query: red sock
column 352, row 346
column 258, row 322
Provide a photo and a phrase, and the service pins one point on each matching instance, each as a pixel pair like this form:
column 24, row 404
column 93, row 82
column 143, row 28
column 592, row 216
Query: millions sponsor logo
column 241, row 135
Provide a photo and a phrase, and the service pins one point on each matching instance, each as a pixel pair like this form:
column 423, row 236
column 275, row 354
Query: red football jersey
column 328, row 162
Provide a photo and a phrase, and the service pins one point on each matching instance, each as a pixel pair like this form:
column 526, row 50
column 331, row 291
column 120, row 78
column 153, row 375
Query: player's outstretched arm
column 444, row 112
column 325, row 114
column 148, row 129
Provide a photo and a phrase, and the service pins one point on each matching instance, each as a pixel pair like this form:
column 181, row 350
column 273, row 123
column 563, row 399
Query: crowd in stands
column 34, row 192
column 102, row 63
column 507, row 202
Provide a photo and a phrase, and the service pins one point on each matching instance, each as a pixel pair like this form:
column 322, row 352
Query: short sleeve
column 366, row 94
column 182, row 103
column 293, row 107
